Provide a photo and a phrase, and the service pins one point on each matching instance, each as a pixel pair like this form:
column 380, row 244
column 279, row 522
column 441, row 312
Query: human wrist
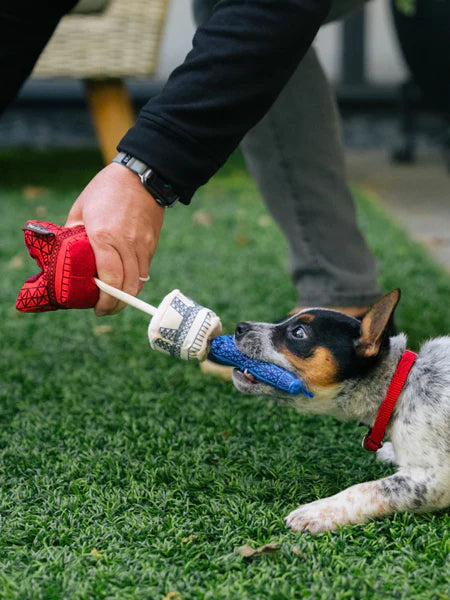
column 125, row 179
column 160, row 189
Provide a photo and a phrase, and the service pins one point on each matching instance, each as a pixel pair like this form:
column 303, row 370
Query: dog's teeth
column 245, row 371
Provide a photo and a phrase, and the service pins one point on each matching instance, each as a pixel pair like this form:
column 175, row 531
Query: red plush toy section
column 67, row 265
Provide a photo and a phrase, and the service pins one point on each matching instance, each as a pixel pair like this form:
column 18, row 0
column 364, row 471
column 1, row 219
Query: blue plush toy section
column 223, row 350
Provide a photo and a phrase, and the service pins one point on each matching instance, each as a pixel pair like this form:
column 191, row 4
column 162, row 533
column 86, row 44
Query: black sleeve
column 25, row 28
column 240, row 61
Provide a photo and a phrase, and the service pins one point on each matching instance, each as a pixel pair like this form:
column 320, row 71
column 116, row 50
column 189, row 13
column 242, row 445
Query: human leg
column 295, row 155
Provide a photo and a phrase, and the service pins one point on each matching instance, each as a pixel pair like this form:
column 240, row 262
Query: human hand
column 123, row 223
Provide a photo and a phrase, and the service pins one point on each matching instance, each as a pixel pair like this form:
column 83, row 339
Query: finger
column 143, row 262
column 119, row 306
column 110, row 270
column 130, row 272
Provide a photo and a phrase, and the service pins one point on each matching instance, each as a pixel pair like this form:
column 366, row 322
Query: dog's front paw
column 386, row 453
column 316, row 517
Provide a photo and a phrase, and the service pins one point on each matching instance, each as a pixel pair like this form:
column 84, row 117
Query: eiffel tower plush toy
column 179, row 326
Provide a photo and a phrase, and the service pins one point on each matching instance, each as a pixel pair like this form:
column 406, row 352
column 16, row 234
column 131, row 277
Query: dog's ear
column 375, row 323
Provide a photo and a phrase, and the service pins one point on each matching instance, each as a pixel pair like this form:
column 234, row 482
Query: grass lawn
column 125, row 474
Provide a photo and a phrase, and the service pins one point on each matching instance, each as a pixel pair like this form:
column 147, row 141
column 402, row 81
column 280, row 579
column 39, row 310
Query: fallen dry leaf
column 189, row 538
column 102, row 329
column 226, row 435
column 31, row 192
column 173, row 596
column 95, row 553
column 201, row 217
column 242, row 239
column 40, row 211
column 248, row 552
column 298, row 552
column 16, row 262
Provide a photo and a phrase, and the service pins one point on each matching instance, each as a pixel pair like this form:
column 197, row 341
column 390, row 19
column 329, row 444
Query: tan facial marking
column 320, row 369
column 306, row 318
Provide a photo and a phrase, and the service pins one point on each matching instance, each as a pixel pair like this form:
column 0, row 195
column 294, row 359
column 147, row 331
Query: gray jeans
column 295, row 155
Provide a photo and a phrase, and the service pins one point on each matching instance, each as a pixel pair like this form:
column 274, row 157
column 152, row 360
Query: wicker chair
column 103, row 41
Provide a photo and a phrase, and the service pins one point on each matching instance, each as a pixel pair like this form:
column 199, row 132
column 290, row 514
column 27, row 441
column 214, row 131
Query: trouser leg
column 295, row 154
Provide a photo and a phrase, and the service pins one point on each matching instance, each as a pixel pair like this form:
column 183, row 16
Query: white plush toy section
column 179, row 327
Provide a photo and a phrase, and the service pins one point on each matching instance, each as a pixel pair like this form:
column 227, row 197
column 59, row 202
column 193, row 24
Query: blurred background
column 395, row 108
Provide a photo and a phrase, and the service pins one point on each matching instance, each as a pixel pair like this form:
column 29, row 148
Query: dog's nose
column 241, row 329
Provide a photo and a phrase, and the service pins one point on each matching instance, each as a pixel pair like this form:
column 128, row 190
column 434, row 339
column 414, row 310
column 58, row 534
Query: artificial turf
column 126, row 474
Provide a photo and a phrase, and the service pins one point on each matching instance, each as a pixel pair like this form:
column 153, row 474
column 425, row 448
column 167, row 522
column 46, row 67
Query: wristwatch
column 161, row 191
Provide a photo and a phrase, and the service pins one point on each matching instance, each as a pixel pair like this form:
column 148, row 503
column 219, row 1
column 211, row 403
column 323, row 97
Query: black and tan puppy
column 348, row 365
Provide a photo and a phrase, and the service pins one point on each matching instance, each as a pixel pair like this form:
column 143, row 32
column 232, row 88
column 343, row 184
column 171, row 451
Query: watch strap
column 132, row 163
column 160, row 190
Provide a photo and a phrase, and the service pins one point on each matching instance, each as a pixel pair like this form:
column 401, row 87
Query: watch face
column 160, row 190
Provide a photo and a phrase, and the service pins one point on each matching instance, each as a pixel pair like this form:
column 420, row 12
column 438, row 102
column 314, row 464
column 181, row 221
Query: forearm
column 25, row 28
column 241, row 59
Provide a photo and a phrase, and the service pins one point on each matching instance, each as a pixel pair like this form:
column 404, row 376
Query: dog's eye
column 299, row 333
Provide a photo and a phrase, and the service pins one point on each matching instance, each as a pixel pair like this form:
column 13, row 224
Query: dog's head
column 322, row 347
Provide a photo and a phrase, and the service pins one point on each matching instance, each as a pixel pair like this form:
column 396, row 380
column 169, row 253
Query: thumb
column 75, row 216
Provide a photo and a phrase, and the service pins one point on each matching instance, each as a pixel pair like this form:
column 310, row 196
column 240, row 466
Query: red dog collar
column 373, row 440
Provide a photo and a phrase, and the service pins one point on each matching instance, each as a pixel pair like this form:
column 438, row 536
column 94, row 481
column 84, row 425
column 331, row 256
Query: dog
column 348, row 364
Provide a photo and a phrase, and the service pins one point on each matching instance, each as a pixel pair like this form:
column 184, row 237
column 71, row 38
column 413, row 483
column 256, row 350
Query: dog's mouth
column 245, row 376
column 247, row 383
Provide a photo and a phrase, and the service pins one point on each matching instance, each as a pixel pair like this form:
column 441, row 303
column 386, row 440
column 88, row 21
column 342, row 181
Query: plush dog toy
column 179, row 326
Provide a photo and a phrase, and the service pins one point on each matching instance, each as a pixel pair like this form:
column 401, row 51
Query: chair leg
column 111, row 111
